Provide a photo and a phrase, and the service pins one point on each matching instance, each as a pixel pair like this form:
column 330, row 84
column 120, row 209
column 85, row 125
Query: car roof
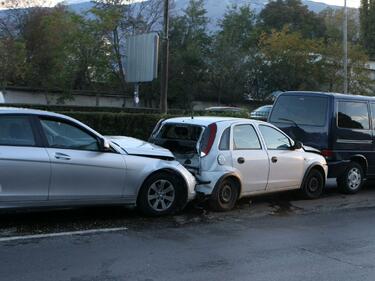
column 17, row 110
column 28, row 111
column 330, row 94
column 207, row 120
column 223, row 108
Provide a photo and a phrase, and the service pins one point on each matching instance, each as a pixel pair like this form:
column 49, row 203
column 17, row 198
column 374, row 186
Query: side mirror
column 297, row 145
column 104, row 145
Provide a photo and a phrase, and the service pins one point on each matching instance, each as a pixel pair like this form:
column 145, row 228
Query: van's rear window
column 302, row 110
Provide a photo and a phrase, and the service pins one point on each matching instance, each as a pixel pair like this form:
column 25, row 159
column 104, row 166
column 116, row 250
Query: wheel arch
column 316, row 166
column 232, row 176
column 361, row 160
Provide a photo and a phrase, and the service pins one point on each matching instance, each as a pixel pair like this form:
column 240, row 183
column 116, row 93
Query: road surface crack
column 335, row 258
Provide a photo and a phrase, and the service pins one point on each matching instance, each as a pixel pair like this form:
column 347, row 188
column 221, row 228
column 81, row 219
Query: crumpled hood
column 139, row 147
column 311, row 149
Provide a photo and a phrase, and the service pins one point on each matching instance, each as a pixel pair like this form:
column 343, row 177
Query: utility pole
column 165, row 61
column 345, row 44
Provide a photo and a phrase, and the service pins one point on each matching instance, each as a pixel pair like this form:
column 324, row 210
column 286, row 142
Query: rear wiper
column 291, row 121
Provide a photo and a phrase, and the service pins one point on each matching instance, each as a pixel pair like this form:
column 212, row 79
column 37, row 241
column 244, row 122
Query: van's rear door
column 304, row 117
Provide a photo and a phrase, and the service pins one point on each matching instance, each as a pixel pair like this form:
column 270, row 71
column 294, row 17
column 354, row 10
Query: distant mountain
column 215, row 8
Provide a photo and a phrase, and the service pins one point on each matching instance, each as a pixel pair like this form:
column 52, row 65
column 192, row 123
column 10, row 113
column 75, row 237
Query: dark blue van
column 341, row 126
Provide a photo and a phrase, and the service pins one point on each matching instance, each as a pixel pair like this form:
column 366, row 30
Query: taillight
column 327, row 154
column 211, row 138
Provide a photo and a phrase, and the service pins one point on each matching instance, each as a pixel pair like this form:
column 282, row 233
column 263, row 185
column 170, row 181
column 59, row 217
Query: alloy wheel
column 161, row 195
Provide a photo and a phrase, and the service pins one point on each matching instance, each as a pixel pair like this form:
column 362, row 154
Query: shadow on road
column 24, row 222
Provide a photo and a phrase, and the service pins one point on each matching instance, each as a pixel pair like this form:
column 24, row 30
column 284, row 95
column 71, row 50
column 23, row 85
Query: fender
column 313, row 165
column 363, row 158
column 223, row 177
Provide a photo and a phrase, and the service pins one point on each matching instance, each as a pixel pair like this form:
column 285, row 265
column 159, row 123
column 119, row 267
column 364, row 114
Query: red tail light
column 212, row 128
column 327, row 153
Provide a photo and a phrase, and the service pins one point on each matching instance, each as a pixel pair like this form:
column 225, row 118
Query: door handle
column 62, row 156
column 274, row 159
column 241, row 160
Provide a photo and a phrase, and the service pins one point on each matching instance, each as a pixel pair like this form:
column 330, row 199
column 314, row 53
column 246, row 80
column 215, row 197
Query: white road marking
column 59, row 234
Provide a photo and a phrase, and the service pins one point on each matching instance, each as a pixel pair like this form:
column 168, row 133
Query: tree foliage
column 285, row 47
column 367, row 19
column 293, row 15
column 189, row 47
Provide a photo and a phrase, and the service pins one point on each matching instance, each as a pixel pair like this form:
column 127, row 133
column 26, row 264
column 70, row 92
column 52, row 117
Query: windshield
column 301, row 110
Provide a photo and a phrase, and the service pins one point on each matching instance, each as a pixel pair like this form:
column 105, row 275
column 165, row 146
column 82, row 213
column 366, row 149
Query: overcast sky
column 351, row 3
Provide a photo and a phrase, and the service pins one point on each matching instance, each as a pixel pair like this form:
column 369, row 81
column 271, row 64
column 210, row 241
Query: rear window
column 302, row 110
column 180, row 132
column 179, row 138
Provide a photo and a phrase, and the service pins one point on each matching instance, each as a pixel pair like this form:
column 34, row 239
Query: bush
column 124, row 124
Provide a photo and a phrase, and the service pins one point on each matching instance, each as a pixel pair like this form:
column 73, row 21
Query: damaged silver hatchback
column 232, row 158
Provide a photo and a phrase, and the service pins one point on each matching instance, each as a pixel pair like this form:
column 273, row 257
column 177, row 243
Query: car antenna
column 192, row 114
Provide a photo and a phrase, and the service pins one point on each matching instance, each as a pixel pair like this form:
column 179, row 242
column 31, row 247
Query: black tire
column 352, row 180
column 313, row 185
column 158, row 188
column 224, row 196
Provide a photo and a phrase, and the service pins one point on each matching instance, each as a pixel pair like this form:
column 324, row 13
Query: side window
column 16, row 130
column 353, row 115
column 274, row 139
column 224, row 141
column 63, row 135
column 245, row 137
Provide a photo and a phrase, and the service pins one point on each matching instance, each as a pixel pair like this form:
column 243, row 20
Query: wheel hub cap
column 161, row 195
column 314, row 184
column 354, row 178
column 226, row 194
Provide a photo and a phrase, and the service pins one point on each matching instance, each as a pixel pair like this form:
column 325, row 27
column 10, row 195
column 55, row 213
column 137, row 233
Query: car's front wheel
column 313, row 185
column 225, row 195
column 161, row 194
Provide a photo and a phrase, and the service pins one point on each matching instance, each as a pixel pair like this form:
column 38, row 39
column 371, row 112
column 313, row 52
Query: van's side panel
column 350, row 141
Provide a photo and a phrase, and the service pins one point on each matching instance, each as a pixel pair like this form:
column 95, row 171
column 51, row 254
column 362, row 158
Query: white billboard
column 141, row 60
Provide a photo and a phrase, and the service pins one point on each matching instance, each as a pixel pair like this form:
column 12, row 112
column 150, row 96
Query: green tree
column 47, row 34
column 232, row 64
column 290, row 62
column 189, row 50
column 12, row 62
column 333, row 20
column 331, row 70
column 367, row 19
column 292, row 14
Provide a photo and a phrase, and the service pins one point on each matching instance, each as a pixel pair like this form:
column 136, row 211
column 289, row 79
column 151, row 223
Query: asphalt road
column 273, row 238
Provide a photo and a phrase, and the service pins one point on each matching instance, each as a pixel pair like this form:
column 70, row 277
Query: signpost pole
column 345, row 44
column 165, row 61
column 136, row 94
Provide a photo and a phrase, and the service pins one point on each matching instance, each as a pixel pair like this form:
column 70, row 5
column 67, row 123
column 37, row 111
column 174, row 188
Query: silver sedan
column 51, row 160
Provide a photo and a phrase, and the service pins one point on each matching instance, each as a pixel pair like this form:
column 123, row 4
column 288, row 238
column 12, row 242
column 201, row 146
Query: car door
column 286, row 164
column 249, row 158
column 79, row 169
column 25, row 168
